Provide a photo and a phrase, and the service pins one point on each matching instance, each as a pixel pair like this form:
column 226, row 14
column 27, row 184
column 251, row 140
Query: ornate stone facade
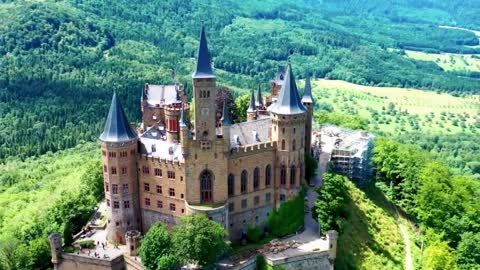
column 233, row 173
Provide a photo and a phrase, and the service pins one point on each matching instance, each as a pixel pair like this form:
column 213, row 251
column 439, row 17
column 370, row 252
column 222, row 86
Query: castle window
column 172, row 207
column 159, row 189
column 256, row 200
column 183, row 210
column 125, row 188
column 171, row 175
column 293, row 174
column 132, row 152
column 107, row 186
column 172, row 125
column 283, row 175
column 158, row 172
column 283, row 144
column 126, row 204
column 147, row 201
column 282, row 197
column 268, row 175
column 231, row 185
column 294, row 130
column 105, row 168
column 159, row 204
column 104, row 153
column 123, row 154
column 283, row 130
column 146, row 186
column 181, row 196
column 171, row 192
column 116, row 204
column 124, row 170
column 256, row 178
column 231, row 207
column 243, row 181
column 113, row 170
column 108, row 202
column 145, row 170
column 268, row 197
column 244, row 203
column 112, row 154
column 293, row 145
column 206, row 186
column 114, row 189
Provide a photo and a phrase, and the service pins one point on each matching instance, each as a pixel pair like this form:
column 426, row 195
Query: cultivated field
column 449, row 61
column 398, row 110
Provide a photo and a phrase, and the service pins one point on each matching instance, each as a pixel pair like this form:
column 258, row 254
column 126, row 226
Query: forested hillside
column 60, row 61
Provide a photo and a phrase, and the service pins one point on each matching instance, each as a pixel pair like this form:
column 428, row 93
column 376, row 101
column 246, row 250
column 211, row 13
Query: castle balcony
column 217, row 212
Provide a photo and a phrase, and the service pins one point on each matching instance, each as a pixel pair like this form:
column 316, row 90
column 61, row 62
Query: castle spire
column 258, row 99
column 251, row 107
column 204, row 61
column 226, row 116
column 307, row 96
column 288, row 101
column 117, row 127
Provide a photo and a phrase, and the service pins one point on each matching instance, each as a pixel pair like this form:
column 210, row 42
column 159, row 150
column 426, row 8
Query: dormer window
column 154, row 148
column 256, row 136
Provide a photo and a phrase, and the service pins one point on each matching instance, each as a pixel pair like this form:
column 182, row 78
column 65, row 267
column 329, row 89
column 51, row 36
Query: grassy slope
column 40, row 182
column 423, row 108
column 448, row 61
column 371, row 238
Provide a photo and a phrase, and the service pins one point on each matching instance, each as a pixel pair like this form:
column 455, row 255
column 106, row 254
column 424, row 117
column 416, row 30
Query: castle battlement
column 254, row 148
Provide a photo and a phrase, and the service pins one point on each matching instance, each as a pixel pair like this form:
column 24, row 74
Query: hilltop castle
column 235, row 173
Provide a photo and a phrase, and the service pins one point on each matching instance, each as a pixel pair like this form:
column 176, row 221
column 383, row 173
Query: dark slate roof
column 153, row 143
column 117, row 128
column 258, row 97
column 251, row 107
column 226, row 116
column 183, row 119
column 204, row 61
column 307, row 95
column 288, row 101
column 251, row 132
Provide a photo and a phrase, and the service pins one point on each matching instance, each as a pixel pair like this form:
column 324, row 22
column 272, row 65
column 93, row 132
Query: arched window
column 256, row 178
column 244, row 181
column 294, row 145
column 206, row 186
column 293, row 174
column 231, row 185
column 283, row 144
column 283, row 175
column 268, row 175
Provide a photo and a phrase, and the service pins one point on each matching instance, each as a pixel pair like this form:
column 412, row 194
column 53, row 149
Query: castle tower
column 258, row 98
column 204, row 82
column 172, row 116
column 252, row 111
column 55, row 248
column 226, row 122
column 288, row 128
column 119, row 158
column 132, row 240
column 307, row 101
column 332, row 237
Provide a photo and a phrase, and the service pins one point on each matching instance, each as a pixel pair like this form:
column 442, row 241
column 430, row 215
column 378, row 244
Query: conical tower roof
column 307, row 96
column 226, row 116
column 183, row 119
column 251, row 107
column 117, row 127
column 288, row 101
column 204, row 61
column 258, row 97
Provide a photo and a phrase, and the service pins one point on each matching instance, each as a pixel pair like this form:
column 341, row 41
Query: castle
column 171, row 166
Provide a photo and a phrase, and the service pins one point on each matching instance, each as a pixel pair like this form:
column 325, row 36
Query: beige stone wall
column 75, row 262
column 178, row 184
column 123, row 218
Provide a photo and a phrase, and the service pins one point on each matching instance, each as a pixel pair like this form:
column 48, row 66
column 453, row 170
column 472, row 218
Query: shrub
column 288, row 218
column 254, row 234
column 167, row 262
column 86, row 244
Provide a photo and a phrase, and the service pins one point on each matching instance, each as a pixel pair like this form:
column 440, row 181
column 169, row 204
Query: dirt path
column 406, row 240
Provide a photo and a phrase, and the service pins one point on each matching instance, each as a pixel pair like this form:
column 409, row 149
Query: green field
column 449, row 61
column 397, row 110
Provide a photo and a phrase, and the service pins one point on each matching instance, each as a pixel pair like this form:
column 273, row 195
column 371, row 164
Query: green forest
column 61, row 61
